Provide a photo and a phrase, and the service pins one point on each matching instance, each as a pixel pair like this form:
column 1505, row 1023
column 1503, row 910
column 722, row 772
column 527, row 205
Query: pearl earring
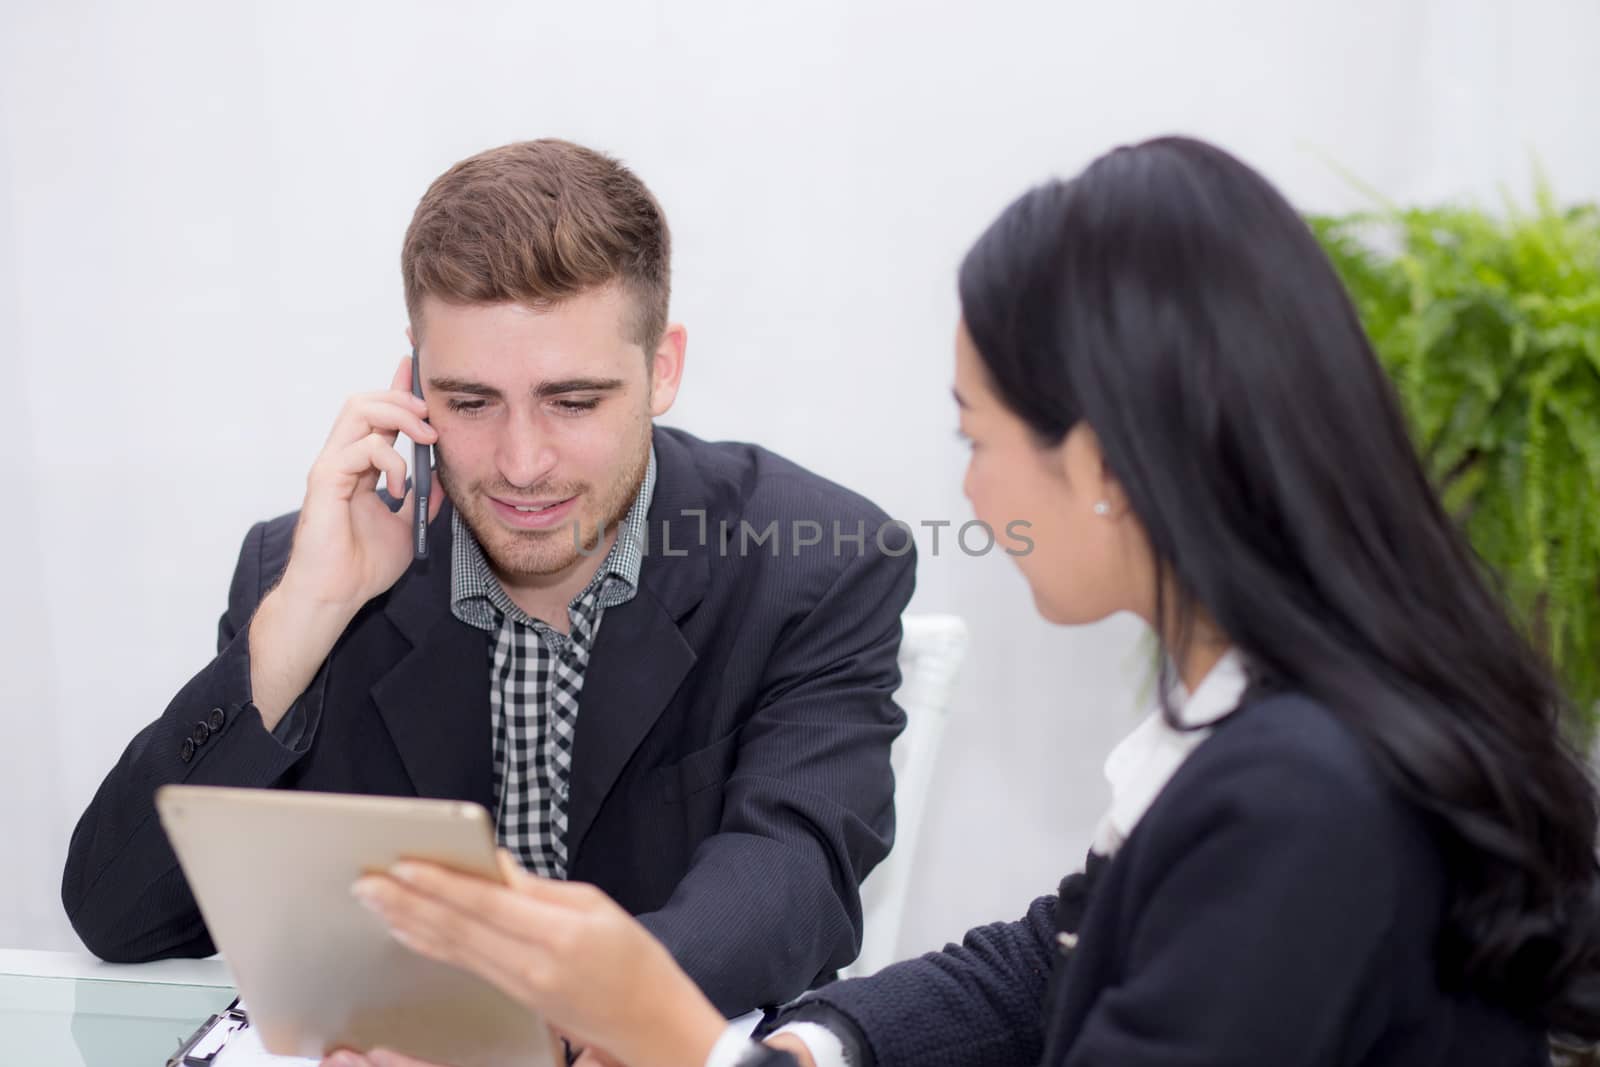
column 1102, row 507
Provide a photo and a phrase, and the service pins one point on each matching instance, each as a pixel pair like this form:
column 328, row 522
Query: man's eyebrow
column 578, row 385
column 462, row 385
column 960, row 403
column 544, row 390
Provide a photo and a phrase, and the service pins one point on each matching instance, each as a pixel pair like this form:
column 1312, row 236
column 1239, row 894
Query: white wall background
column 201, row 208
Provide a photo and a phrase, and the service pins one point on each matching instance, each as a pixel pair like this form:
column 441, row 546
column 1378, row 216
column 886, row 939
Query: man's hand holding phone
column 348, row 546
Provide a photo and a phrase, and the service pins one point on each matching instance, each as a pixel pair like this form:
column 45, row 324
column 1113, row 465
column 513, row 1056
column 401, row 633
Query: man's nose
column 525, row 455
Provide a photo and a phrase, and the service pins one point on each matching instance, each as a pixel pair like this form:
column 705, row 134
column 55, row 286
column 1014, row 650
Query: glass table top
column 84, row 1022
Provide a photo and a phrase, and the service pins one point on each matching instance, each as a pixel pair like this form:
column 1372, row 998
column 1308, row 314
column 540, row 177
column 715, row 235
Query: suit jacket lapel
column 435, row 700
column 640, row 656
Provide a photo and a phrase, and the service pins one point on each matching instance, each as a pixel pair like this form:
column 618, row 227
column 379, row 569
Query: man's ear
column 411, row 338
column 666, row 368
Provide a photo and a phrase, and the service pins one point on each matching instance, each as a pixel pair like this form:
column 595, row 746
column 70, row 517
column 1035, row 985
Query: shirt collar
column 478, row 599
column 1144, row 761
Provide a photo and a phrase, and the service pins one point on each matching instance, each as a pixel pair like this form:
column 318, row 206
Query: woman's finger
column 526, row 908
column 510, row 869
column 460, row 936
column 580, row 895
column 508, row 971
column 513, row 967
column 441, row 881
column 382, row 1057
column 345, row 1058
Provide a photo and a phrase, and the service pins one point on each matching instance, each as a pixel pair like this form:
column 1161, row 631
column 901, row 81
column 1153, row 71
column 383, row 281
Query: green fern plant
column 1490, row 328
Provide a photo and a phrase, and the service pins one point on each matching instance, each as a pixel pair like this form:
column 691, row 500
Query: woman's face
column 1087, row 559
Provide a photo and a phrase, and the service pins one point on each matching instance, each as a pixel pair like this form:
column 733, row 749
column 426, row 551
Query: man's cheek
column 443, row 472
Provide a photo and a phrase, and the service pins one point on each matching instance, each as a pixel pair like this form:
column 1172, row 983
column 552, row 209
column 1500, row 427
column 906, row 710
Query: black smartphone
column 421, row 473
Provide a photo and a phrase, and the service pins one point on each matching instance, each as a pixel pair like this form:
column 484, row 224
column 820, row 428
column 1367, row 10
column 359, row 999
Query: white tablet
column 272, row 871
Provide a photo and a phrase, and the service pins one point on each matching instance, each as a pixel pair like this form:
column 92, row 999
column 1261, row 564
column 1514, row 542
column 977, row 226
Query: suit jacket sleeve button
column 202, row 733
column 186, row 753
column 217, row 718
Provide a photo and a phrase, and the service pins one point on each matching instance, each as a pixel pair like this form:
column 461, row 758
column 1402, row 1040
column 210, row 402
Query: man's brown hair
column 535, row 223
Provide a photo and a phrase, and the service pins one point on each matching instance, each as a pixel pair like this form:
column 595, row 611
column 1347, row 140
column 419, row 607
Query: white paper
column 244, row 1050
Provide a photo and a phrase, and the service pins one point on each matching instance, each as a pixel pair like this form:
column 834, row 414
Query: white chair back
column 931, row 650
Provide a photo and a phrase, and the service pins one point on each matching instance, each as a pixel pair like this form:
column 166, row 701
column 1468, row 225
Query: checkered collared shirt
column 535, row 676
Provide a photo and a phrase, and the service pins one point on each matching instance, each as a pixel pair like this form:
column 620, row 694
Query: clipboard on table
column 203, row 1048
column 227, row 1040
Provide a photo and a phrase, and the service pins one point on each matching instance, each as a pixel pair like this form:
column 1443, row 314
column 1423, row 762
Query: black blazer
column 730, row 780
column 1278, row 904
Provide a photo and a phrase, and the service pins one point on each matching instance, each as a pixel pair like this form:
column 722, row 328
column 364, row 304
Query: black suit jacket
column 730, row 780
column 1278, row 904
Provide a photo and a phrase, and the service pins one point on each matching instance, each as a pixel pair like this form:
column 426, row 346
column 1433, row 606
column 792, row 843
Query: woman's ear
column 1084, row 466
column 1111, row 495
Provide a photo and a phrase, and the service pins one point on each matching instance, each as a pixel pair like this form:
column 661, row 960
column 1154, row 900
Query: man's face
column 544, row 422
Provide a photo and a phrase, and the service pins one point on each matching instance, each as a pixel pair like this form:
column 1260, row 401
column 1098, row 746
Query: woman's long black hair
column 1171, row 297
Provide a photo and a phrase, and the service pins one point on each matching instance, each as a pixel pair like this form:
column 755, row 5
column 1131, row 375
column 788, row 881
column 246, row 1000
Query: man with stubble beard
column 626, row 643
